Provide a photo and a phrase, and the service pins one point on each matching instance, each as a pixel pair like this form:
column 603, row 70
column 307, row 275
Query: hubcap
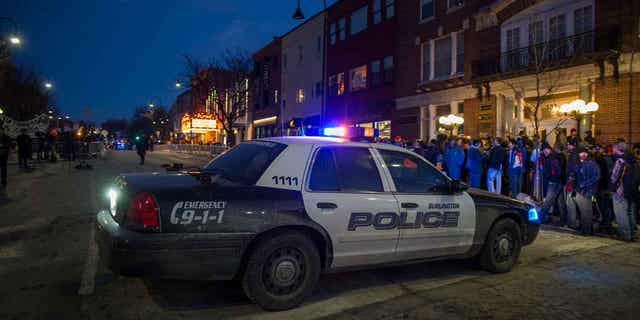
column 284, row 271
column 503, row 247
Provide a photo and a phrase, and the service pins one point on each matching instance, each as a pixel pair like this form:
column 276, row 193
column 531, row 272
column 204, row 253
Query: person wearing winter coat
column 497, row 156
column 587, row 176
column 515, row 167
column 474, row 164
column 453, row 159
column 624, row 186
column 431, row 152
column 553, row 183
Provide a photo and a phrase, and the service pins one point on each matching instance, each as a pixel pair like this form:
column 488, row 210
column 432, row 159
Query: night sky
column 112, row 56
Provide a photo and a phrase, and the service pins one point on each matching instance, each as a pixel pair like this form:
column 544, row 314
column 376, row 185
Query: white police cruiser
column 276, row 213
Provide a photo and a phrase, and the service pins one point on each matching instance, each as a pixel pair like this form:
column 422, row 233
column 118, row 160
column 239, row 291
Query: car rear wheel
column 502, row 247
column 282, row 271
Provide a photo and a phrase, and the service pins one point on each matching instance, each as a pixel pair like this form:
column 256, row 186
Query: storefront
column 265, row 127
column 199, row 129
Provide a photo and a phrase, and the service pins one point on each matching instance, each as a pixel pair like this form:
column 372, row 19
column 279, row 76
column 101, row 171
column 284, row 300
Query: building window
column 461, row 108
column 388, row 69
column 377, row 11
column 358, row 78
column 341, row 26
column 376, row 75
column 358, row 22
column 275, row 96
column 426, row 61
column 557, row 32
column 583, row 20
column 453, row 4
column 460, row 52
column 389, row 9
column 427, row 9
column 300, row 96
column 442, row 59
column 332, row 34
column 536, row 33
column 582, row 26
column 336, row 84
column 513, row 39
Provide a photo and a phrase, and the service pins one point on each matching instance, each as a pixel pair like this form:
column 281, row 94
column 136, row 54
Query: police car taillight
column 143, row 213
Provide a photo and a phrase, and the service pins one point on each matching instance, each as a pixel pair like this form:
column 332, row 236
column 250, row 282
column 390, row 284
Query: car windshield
column 245, row 162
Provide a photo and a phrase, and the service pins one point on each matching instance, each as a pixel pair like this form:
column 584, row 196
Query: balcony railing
column 549, row 53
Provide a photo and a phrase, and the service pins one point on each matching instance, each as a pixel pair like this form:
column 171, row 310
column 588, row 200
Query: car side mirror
column 456, row 186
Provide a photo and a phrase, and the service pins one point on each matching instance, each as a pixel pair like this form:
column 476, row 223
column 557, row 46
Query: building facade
column 508, row 66
column 361, row 64
column 265, row 99
column 302, row 76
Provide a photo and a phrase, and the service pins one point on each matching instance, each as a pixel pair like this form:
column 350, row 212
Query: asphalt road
column 45, row 258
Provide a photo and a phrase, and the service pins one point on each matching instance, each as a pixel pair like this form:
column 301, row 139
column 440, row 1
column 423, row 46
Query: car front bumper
column 201, row 256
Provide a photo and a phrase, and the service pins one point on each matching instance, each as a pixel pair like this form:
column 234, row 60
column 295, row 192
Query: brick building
column 360, row 63
column 478, row 59
column 264, row 101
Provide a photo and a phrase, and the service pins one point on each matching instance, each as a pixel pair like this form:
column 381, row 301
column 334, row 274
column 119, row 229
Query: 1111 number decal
column 283, row 180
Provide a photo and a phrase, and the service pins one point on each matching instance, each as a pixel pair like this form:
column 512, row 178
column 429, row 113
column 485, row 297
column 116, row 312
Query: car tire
column 282, row 271
column 502, row 247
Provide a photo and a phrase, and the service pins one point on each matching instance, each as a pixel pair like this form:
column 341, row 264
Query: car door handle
column 327, row 205
column 409, row 205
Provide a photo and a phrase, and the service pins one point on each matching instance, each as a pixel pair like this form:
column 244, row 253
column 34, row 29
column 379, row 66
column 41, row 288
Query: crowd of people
column 575, row 182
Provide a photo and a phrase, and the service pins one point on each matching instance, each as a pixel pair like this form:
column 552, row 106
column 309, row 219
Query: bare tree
column 22, row 93
column 223, row 86
column 546, row 62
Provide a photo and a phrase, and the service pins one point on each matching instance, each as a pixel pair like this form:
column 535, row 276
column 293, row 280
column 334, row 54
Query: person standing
column 553, row 183
column 454, row 159
column 24, row 149
column 431, row 152
column 570, row 166
column 515, row 167
column 587, row 176
column 589, row 139
column 474, row 164
column 573, row 139
column 5, row 149
column 603, row 197
column 624, row 186
column 141, row 148
column 496, row 161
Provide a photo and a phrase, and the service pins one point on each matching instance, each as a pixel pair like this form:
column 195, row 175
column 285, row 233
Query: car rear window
column 247, row 161
column 345, row 169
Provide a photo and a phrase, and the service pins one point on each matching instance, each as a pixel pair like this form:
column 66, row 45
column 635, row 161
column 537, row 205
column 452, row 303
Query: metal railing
column 548, row 53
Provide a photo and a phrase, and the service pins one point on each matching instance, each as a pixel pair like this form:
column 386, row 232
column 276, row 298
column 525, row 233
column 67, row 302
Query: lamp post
column 578, row 108
column 11, row 40
column 298, row 15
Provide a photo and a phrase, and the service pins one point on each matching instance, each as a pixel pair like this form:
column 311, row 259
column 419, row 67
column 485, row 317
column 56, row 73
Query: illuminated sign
column 203, row 124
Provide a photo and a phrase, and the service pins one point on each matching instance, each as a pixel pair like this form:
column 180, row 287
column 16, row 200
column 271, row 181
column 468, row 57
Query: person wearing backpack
column 624, row 186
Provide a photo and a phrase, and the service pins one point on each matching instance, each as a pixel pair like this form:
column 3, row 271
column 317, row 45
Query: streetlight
column 14, row 40
column 151, row 105
column 298, row 15
column 48, row 85
column 178, row 84
column 1, row 111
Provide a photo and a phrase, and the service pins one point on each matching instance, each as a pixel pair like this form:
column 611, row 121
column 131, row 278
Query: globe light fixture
column 451, row 119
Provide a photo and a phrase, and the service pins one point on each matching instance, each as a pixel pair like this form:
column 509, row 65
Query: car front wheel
column 282, row 271
column 502, row 247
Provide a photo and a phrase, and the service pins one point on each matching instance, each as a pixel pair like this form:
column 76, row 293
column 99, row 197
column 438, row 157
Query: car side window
column 345, row 169
column 324, row 176
column 411, row 174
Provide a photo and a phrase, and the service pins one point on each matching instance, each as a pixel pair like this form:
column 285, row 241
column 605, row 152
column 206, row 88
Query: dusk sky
column 115, row 55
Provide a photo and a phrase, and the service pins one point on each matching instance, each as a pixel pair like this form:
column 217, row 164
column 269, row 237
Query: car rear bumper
column 202, row 256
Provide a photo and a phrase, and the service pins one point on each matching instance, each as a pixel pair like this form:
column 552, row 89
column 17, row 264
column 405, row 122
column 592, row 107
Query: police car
column 276, row 213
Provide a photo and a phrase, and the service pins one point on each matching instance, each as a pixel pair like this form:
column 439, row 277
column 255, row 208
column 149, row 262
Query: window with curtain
column 442, row 57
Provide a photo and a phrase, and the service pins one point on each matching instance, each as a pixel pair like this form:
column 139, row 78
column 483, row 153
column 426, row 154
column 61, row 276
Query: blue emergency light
column 533, row 215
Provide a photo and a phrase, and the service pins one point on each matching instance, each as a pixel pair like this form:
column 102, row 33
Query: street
column 46, row 248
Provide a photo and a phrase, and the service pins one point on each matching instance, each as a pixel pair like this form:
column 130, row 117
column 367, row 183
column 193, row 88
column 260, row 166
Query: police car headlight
column 533, row 215
column 113, row 201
